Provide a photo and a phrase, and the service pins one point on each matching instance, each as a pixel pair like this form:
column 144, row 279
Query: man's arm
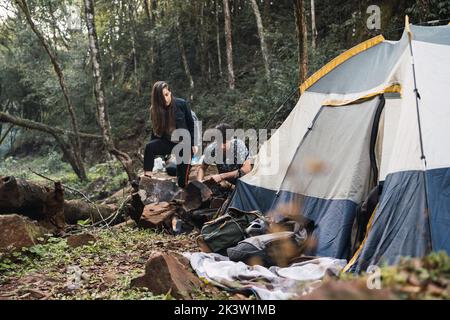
column 246, row 168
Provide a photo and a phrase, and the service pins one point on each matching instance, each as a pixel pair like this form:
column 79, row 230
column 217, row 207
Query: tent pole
column 422, row 156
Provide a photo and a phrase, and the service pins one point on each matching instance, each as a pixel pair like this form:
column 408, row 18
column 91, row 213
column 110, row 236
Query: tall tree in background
column 219, row 55
column 313, row 25
column 75, row 160
column 231, row 78
column 264, row 51
column 102, row 112
column 131, row 18
column 149, row 12
column 302, row 36
column 187, row 70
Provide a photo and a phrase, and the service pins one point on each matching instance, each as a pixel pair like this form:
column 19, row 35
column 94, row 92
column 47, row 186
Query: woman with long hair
column 168, row 114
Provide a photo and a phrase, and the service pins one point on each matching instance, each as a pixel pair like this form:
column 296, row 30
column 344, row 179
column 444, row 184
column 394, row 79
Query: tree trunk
column 32, row 200
column 111, row 53
column 187, row 70
column 302, row 37
column 264, row 51
column 203, row 47
column 133, row 46
column 219, row 55
column 76, row 137
column 148, row 5
column 231, row 78
column 102, row 114
column 3, row 137
column 313, row 26
column 58, row 134
column 267, row 11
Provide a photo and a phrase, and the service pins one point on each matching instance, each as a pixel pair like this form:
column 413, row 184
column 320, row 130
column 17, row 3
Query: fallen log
column 76, row 210
column 32, row 200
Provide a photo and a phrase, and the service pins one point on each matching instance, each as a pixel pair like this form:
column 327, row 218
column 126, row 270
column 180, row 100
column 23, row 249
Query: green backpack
column 227, row 230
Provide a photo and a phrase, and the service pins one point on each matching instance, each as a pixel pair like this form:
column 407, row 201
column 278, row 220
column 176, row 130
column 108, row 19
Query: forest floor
column 107, row 266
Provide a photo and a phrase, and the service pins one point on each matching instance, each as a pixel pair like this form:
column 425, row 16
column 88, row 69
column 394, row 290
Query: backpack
column 227, row 230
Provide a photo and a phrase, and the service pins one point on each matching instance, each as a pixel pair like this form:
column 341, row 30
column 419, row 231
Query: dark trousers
column 164, row 147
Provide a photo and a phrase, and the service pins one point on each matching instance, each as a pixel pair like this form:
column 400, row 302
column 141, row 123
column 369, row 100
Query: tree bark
column 148, row 5
column 264, row 51
column 187, row 70
column 231, row 77
column 102, row 113
column 133, row 47
column 313, row 26
column 203, row 46
column 32, row 200
column 302, row 36
column 219, row 55
column 29, row 124
column 76, row 141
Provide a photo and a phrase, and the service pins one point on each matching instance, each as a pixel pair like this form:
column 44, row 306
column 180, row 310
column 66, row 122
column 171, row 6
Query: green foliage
column 122, row 253
column 136, row 52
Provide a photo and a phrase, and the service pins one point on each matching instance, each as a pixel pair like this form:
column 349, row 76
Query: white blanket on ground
column 272, row 283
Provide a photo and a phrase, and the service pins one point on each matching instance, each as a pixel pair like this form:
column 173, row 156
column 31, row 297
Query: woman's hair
column 163, row 117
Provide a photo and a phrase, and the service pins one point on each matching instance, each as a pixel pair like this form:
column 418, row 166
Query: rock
column 18, row 231
column 168, row 273
column 195, row 194
column 348, row 290
column 157, row 216
column 79, row 240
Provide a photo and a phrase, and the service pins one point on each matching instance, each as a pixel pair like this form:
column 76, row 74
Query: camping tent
column 360, row 122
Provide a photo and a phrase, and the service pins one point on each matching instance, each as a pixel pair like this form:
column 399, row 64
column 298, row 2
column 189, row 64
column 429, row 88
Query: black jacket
column 183, row 119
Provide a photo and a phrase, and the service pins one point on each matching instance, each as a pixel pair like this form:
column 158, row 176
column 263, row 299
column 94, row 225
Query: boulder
column 166, row 273
column 157, row 216
column 18, row 231
column 78, row 240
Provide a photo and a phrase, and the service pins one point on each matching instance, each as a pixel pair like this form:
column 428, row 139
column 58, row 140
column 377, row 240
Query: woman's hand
column 194, row 150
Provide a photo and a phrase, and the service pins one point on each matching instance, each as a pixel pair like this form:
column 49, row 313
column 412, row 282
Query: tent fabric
column 329, row 197
column 432, row 63
column 333, row 219
column 378, row 62
column 438, row 186
column 437, row 34
column 330, row 66
column 331, row 125
column 407, row 233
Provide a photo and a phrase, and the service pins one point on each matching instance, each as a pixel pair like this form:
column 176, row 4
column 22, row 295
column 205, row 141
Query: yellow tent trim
column 396, row 88
column 363, row 46
column 356, row 255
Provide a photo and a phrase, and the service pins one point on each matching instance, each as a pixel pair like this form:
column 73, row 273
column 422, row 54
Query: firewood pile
column 160, row 204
